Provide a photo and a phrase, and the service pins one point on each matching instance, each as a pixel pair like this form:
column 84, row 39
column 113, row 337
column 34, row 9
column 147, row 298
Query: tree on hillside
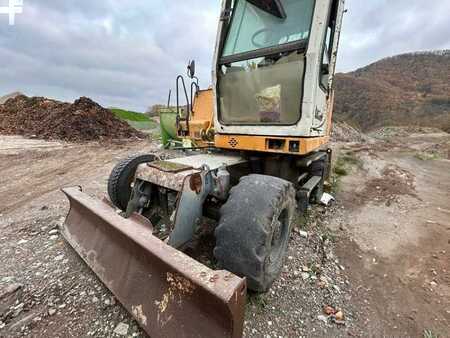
column 424, row 88
column 154, row 110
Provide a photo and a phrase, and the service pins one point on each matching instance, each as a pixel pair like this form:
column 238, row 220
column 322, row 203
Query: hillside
column 409, row 89
column 136, row 120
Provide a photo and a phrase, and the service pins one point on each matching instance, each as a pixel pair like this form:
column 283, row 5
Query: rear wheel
column 253, row 232
column 121, row 179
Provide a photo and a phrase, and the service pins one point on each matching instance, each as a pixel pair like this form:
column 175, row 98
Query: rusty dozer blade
column 169, row 293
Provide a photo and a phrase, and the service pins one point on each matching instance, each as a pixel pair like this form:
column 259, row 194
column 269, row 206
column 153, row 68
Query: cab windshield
column 262, row 64
column 253, row 28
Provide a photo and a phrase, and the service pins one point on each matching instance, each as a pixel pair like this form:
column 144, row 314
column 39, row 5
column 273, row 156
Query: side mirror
column 191, row 69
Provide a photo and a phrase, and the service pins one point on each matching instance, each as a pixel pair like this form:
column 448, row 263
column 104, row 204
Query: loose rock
column 121, row 329
column 303, row 234
column 9, row 289
column 322, row 318
column 339, row 316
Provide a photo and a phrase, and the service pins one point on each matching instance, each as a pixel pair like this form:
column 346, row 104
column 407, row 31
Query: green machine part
column 168, row 123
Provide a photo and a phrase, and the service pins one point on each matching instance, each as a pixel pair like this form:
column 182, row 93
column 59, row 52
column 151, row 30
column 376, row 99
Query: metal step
column 311, row 184
column 307, row 161
column 304, row 194
column 302, row 177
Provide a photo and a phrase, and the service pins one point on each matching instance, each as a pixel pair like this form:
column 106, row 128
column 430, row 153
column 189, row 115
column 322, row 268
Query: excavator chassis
column 169, row 293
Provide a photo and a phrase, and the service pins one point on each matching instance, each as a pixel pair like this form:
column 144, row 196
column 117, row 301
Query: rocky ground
column 376, row 263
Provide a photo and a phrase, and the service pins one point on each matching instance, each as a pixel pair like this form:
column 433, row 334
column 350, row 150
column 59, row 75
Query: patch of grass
column 258, row 300
column 212, row 264
column 329, row 235
column 314, row 268
column 334, row 183
column 303, row 220
column 352, row 160
column 427, row 156
column 340, row 170
column 429, row 334
column 345, row 163
column 136, row 120
column 129, row 115
column 142, row 125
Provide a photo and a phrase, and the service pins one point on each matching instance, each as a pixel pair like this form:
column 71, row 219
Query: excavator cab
column 274, row 69
column 257, row 158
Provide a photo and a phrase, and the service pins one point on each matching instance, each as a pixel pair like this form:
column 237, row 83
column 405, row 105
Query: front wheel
column 254, row 229
column 121, row 179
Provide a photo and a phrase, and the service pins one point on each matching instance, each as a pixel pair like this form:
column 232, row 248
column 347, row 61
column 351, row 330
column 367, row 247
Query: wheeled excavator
column 257, row 157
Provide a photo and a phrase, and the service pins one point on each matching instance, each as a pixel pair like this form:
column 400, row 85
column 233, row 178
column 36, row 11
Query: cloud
column 380, row 28
column 128, row 55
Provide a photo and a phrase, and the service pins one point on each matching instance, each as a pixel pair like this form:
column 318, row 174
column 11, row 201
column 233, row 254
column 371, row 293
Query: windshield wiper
column 274, row 7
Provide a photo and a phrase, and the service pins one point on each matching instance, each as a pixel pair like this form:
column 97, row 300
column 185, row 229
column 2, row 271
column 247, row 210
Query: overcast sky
column 128, row 53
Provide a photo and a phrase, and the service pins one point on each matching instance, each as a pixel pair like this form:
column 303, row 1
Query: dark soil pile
column 84, row 120
column 5, row 98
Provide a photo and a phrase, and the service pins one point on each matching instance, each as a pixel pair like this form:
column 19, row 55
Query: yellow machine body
column 201, row 122
column 272, row 85
column 202, row 132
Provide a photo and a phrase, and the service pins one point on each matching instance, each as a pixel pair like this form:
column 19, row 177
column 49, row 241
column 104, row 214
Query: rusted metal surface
column 195, row 183
column 169, row 180
column 171, row 173
column 212, row 160
column 190, row 208
column 169, row 293
column 169, row 166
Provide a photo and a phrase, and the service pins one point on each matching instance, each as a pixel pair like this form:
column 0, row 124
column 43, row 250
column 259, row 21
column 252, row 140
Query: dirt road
column 54, row 293
column 381, row 255
column 397, row 218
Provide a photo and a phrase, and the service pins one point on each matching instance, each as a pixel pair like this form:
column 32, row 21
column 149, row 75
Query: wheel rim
column 279, row 237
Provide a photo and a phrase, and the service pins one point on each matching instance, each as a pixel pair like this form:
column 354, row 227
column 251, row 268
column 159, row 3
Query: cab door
column 327, row 65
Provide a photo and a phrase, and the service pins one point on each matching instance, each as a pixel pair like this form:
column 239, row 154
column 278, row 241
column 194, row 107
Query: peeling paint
column 162, row 305
column 169, row 180
column 179, row 287
column 138, row 312
column 182, row 284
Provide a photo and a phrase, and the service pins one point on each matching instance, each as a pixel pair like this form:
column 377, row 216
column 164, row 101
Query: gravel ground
column 313, row 296
column 333, row 283
column 50, row 285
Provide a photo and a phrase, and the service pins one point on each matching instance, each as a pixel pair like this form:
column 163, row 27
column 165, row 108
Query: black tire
column 254, row 229
column 121, row 179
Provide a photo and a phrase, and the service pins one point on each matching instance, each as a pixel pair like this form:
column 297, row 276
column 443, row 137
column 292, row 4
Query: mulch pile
column 84, row 120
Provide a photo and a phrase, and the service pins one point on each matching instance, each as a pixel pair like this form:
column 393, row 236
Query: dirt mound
column 343, row 132
column 84, row 120
column 5, row 98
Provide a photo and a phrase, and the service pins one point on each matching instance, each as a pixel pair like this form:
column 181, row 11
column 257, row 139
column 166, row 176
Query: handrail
column 180, row 77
